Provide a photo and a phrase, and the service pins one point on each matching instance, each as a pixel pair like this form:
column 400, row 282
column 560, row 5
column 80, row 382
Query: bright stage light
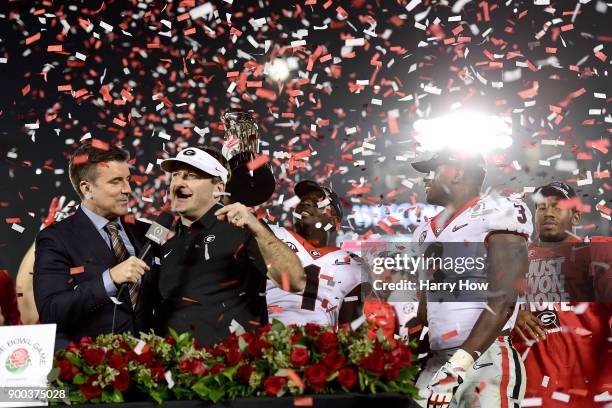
column 278, row 70
column 466, row 131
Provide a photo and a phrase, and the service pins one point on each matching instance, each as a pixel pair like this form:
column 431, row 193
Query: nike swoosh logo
column 338, row 262
column 458, row 227
column 479, row 366
column 168, row 253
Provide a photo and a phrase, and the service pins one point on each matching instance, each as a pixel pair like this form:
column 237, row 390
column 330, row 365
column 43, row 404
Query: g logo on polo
column 291, row 245
column 548, row 318
column 422, row 237
column 315, row 253
column 208, row 239
column 189, row 152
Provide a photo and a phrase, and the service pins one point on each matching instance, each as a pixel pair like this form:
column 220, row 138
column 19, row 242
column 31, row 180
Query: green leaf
column 106, row 396
column 77, row 397
column 116, row 397
column 53, row 374
column 74, row 360
column 277, row 325
column 229, row 373
column 201, row 389
column 173, row 333
column 79, row 379
column 216, row 394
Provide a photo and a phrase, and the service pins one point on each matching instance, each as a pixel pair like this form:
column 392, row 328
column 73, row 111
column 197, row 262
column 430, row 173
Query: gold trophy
column 249, row 187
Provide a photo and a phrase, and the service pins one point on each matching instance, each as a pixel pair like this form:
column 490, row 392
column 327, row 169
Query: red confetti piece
column 99, row 144
column 55, row 48
column 258, row 162
column 32, row 39
column 80, row 159
column 292, row 375
column 449, row 335
column 76, row 270
column 12, row 220
column 302, row 401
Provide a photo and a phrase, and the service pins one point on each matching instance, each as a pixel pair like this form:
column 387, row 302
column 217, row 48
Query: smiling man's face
column 552, row 221
column 191, row 192
column 109, row 190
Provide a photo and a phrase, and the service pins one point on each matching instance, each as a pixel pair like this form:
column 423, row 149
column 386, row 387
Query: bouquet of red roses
column 274, row 361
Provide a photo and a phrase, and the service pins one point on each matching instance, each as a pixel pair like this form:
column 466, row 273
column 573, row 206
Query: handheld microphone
column 156, row 234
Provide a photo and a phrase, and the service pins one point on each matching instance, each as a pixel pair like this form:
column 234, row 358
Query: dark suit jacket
column 78, row 302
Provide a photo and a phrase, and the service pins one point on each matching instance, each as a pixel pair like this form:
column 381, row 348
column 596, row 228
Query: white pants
column 497, row 378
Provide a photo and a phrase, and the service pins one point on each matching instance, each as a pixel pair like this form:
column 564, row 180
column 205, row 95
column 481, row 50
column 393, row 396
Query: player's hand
column 443, row 385
column 238, row 215
column 448, row 378
column 128, row 271
column 529, row 326
column 57, row 211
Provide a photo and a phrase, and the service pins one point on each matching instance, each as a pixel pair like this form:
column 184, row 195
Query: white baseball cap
column 199, row 159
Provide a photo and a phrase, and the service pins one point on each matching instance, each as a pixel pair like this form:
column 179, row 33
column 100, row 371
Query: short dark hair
column 220, row 158
column 84, row 162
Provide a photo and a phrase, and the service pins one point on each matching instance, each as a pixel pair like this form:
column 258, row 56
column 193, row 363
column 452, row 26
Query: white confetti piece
column 531, row 402
column 354, row 42
column 115, row 300
column 169, row 380
column 412, row 4
column 107, row 27
column 355, row 324
column 350, row 299
column 545, row 380
column 139, row 347
column 560, row 396
column 18, row 228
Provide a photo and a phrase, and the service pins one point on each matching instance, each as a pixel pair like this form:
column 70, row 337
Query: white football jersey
column 450, row 323
column 331, row 273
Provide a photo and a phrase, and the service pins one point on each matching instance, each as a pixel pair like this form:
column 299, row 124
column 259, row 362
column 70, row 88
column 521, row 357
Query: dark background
column 189, row 73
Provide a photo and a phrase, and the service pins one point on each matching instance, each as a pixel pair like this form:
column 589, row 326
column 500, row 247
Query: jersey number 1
column 311, row 290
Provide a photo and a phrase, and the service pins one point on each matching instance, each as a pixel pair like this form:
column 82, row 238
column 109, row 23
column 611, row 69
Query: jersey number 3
column 311, row 289
column 522, row 217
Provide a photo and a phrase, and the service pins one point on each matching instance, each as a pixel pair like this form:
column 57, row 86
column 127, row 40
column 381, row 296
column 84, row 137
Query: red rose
column 94, row 356
column 197, row 367
column 312, row 329
column 117, row 361
column 374, row 363
column 185, row 366
column 85, row 341
column 90, row 391
column 158, row 373
column 170, row 340
column 274, row 385
column 266, row 328
column 299, row 356
column 72, row 348
column 296, row 336
column 244, row 372
column 327, row 342
column 256, row 346
column 217, row 368
column 233, row 357
column 392, row 374
column 122, row 381
column 145, row 358
column 348, row 377
column 333, row 360
column 67, row 370
column 317, row 375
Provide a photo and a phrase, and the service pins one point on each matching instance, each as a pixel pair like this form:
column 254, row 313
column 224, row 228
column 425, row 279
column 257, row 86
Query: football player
column 332, row 294
column 565, row 345
column 473, row 363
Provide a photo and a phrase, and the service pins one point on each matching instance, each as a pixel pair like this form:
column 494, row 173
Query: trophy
column 249, row 187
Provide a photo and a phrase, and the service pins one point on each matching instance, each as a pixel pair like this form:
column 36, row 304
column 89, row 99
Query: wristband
column 461, row 359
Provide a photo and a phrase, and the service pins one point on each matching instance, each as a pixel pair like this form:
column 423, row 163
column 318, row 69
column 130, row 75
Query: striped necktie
column 121, row 254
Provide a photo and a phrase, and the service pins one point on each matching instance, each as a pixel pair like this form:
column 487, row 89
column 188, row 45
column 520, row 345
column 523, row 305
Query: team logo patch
column 548, row 318
column 209, row 238
column 189, row 152
column 315, row 253
column 422, row 237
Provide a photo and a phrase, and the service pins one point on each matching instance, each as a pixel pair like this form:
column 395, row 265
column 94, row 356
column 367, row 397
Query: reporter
column 81, row 262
